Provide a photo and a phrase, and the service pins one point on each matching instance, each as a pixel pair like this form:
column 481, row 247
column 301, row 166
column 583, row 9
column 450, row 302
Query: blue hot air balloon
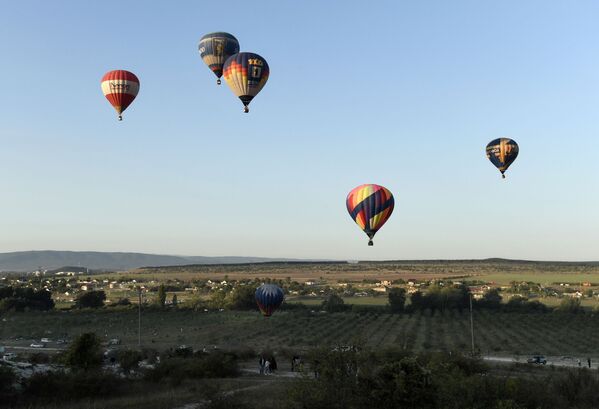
column 502, row 152
column 215, row 48
column 269, row 298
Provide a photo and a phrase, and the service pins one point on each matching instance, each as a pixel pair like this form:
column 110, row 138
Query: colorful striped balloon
column 269, row 298
column 215, row 49
column 246, row 74
column 370, row 206
column 502, row 152
column 120, row 88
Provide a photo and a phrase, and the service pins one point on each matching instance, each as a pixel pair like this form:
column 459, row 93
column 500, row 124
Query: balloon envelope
column 246, row 74
column 502, row 152
column 120, row 88
column 370, row 206
column 215, row 49
column 269, row 298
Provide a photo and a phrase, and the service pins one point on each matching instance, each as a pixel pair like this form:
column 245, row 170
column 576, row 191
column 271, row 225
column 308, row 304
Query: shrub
column 570, row 305
column 333, row 303
column 129, row 359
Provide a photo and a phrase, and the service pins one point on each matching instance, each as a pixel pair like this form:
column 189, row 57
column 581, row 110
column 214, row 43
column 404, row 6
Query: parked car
column 9, row 356
column 537, row 359
column 114, row 341
column 34, row 345
column 46, row 340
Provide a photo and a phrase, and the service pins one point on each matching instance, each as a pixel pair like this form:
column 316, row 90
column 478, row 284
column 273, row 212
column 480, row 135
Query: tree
column 174, row 300
column 7, row 378
column 85, row 352
column 243, row 297
column 161, row 295
column 21, row 299
column 91, row 299
column 333, row 303
column 417, row 300
column 217, row 299
column 397, row 299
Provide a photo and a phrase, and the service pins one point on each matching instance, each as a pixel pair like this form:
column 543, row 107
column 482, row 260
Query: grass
column 157, row 396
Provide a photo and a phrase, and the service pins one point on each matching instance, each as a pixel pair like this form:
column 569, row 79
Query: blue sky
column 403, row 94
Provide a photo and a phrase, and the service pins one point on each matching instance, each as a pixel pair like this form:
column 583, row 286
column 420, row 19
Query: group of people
column 268, row 365
column 588, row 362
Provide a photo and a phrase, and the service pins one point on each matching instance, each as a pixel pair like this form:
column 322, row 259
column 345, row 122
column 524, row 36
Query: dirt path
column 568, row 362
column 266, row 380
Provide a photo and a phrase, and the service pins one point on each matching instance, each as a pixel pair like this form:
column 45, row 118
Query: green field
column 496, row 333
column 492, row 270
column 317, row 301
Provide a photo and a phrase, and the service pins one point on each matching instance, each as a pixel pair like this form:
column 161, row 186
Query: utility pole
column 471, row 325
column 139, row 320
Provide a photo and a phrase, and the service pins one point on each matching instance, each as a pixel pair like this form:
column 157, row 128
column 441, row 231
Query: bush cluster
column 199, row 365
column 392, row 379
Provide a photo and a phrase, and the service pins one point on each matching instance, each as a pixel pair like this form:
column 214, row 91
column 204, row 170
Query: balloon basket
column 218, row 81
column 370, row 243
column 246, row 109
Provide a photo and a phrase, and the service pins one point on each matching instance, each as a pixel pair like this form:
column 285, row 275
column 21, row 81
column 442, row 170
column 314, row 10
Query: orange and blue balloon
column 246, row 74
column 370, row 206
column 502, row 152
column 120, row 88
column 269, row 298
column 215, row 49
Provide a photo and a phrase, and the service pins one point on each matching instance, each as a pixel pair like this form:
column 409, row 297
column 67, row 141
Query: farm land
column 363, row 285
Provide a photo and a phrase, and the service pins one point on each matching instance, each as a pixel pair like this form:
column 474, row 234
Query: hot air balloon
column 502, row 153
column 120, row 88
column 215, row 48
column 246, row 74
column 269, row 298
column 370, row 206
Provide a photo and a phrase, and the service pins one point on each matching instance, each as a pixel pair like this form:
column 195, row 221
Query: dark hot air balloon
column 269, row 298
column 120, row 88
column 502, row 153
column 215, row 49
column 370, row 206
column 246, row 74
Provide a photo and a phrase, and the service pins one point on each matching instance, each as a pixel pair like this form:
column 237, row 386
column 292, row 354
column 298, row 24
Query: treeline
column 444, row 298
column 25, row 299
column 458, row 298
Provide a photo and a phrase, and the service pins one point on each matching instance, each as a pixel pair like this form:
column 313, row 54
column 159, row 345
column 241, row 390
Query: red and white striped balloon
column 120, row 88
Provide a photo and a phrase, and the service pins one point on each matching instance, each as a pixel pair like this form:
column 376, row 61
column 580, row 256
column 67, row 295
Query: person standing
column 273, row 363
column 589, row 361
column 267, row 367
column 261, row 362
column 579, row 363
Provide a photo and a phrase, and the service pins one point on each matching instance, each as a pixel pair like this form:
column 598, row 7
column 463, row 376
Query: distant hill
column 97, row 260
